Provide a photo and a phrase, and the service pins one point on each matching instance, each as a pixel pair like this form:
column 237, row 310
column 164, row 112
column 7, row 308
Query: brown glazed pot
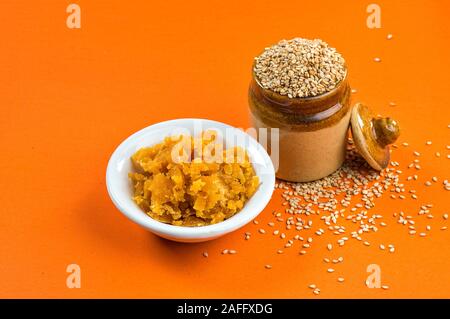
column 312, row 131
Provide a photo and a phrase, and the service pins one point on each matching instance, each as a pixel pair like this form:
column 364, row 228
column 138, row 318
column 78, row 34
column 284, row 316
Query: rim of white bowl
column 260, row 198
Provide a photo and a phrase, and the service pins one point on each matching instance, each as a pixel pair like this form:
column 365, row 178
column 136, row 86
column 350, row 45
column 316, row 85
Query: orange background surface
column 69, row 97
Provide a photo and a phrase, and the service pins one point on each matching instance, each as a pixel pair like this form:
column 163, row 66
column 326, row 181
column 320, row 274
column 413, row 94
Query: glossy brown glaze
column 299, row 114
column 313, row 131
column 386, row 131
column 373, row 135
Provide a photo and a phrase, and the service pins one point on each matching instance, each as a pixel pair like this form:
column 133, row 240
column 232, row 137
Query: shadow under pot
column 313, row 131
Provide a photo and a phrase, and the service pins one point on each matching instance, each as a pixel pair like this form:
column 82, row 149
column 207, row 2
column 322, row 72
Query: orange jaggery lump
column 190, row 181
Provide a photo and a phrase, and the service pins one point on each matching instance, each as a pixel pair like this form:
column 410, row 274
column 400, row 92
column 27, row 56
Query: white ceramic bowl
column 120, row 188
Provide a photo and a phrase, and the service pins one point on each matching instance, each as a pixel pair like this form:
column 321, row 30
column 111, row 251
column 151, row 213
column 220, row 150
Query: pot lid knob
column 386, row 130
column 373, row 135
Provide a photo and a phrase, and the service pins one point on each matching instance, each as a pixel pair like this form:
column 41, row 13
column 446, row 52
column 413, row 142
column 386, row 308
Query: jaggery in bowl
column 121, row 192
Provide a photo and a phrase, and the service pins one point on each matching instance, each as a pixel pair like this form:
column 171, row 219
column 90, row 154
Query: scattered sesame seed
column 389, row 36
column 385, row 287
column 205, row 254
column 377, row 59
column 340, row 279
column 268, row 266
column 333, row 199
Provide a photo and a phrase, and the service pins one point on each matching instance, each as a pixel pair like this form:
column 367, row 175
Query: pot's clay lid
column 373, row 135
